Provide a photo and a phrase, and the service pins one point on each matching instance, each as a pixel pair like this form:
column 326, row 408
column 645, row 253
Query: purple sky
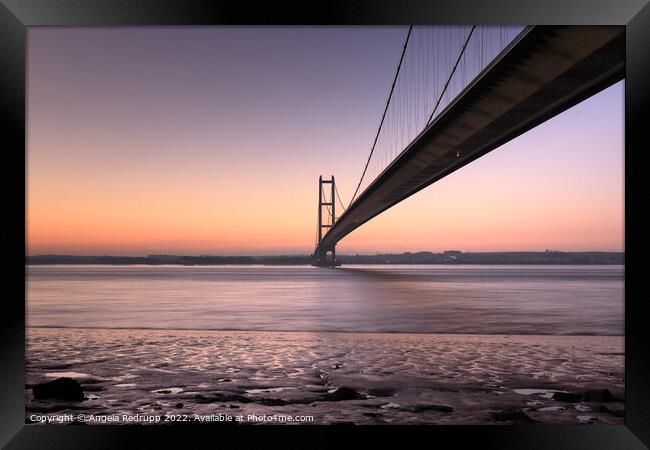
column 211, row 140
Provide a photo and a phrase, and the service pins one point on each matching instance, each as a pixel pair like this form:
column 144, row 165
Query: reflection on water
column 432, row 299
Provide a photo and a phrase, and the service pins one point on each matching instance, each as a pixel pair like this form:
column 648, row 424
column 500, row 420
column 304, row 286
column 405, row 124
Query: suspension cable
column 336, row 190
column 462, row 51
column 390, row 95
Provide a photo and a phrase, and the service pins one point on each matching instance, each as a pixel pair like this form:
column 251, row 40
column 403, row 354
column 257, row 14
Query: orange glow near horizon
column 113, row 173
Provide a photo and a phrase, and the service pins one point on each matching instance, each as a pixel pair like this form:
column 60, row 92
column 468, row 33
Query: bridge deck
column 544, row 71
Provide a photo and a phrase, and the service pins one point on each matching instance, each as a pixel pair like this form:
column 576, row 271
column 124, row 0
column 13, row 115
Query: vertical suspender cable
column 451, row 74
column 408, row 36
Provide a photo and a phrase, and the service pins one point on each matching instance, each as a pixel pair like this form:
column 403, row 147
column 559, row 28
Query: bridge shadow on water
column 408, row 277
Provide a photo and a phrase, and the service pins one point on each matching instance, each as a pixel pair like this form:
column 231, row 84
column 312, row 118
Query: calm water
column 432, row 299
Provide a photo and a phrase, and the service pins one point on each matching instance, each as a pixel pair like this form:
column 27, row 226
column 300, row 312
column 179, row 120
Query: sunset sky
column 211, row 140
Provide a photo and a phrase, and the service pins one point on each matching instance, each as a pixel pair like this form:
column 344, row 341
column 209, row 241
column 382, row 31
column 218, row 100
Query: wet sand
column 360, row 378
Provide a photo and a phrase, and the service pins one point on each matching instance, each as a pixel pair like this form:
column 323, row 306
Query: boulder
column 61, row 388
column 567, row 397
column 344, row 393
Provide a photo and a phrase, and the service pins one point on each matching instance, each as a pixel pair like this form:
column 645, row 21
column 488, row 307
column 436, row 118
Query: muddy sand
column 130, row 376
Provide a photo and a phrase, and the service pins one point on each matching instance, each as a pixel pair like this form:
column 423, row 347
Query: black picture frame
column 17, row 15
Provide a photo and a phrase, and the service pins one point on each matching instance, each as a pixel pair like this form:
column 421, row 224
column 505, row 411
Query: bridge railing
column 438, row 63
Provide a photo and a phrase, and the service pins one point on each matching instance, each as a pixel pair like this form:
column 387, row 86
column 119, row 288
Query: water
column 431, row 299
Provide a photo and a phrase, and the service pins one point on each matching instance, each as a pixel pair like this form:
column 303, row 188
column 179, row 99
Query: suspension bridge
column 459, row 93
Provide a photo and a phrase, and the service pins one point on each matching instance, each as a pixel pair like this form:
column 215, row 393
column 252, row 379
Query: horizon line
column 310, row 254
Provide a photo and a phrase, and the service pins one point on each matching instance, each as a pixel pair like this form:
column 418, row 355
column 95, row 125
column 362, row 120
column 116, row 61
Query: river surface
column 522, row 299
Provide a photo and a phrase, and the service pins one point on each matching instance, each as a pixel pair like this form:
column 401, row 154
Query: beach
column 265, row 377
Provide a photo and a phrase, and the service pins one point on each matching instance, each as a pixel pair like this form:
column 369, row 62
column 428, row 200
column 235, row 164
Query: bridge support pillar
column 325, row 256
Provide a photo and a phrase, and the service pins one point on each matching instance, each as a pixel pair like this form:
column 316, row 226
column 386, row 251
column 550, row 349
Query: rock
column 179, row 405
column 431, row 407
column 344, row 393
column 511, row 414
column 597, row 395
column 61, row 388
column 567, row 397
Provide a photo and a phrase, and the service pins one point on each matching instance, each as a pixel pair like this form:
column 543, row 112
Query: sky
column 210, row 140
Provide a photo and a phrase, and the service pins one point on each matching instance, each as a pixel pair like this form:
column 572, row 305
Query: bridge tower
column 325, row 256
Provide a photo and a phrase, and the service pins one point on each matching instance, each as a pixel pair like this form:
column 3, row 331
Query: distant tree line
column 448, row 257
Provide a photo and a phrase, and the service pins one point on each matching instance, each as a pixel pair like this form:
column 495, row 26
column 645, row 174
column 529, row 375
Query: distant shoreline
column 448, row 257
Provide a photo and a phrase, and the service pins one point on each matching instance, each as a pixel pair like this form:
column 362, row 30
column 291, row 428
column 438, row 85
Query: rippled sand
column 400, row 378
